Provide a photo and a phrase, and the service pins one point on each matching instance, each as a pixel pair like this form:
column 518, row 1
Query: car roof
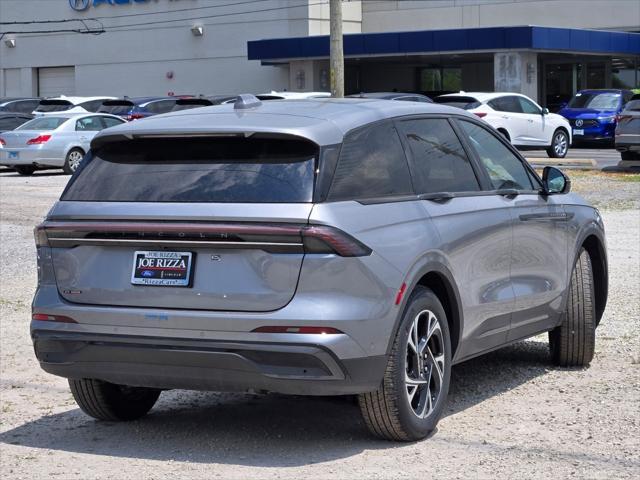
column 295, row 95
column 386, row 95
column 78, row 100
column 323, row 121
column 482, row 96
column 17, row 99
column 16, row 114
column 604, row 90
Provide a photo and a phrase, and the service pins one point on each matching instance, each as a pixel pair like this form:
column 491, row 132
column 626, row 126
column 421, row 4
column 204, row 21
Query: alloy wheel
column 560, row 144
column 425, row 363
column 75, row 158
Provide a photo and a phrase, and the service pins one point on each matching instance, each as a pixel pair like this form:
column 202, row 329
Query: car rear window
column 215, row 169
column 45, row 123
column 466, row 103
column 54, row 106
column 633, row 106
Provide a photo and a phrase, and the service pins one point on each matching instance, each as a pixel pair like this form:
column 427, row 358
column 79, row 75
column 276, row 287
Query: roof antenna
column 246, row 100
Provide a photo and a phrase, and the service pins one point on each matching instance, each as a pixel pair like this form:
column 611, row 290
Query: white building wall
column 160, row 58
column 398, row 15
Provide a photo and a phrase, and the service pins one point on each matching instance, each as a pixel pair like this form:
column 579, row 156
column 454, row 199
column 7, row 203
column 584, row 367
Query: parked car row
column 590, row 116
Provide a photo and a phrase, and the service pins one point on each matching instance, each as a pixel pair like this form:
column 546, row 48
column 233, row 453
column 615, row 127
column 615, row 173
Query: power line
column 65, row 20
column 105, row 29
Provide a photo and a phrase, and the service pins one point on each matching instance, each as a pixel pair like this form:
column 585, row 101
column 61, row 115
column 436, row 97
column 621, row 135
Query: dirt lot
column 510, row 414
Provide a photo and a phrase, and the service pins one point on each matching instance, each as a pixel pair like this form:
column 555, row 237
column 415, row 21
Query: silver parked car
column 313, row 247
column 52, row 141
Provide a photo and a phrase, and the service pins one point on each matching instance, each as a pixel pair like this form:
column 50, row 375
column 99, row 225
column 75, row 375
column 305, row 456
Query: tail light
column 303, row 330
column 134, row 116
column 619, row 118
column 40, row 236
column 282, row 238
column 44, row 317
column 323, row 239
column 2, row 142
column 39, row 140
column 481, row 114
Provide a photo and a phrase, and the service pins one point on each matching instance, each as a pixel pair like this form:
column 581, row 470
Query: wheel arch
column 437, row 278
column 505, row 132
column 597, row 253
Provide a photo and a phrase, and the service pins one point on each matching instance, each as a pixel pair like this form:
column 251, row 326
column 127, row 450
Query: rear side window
column 505, row 170
column 116, row 107
column 111, row 122
column 221, row 169
column 439, row 161
column 89, row 124
column 372, row 164
column 506, row 104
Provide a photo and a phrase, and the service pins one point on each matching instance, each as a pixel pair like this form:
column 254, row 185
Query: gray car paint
column 508, row 259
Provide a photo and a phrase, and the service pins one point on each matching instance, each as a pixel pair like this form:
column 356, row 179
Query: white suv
column 522, row 121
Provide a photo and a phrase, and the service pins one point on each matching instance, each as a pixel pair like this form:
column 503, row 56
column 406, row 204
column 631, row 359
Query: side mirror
column 545, row 111
column 555, row 181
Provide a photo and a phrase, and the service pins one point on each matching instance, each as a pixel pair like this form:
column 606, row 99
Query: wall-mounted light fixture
column 10, row 42
column 197, row 30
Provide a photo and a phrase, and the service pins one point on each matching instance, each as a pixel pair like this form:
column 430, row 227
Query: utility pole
column 336, row 52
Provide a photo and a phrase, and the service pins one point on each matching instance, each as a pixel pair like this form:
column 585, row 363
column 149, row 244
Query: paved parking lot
column 510, row 414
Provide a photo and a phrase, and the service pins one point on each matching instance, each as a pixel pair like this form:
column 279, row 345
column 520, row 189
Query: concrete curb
column 578, row 162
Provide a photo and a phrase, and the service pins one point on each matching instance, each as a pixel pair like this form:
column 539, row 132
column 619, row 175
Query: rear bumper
column 30, row 156
column 197, row 364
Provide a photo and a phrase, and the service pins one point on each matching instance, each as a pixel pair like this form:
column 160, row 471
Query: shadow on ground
column 265, row 430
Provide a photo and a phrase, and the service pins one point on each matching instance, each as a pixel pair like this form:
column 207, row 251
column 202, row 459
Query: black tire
column 572, row 343
column 111, row 402
column 630, row 155
column 388, row 412
column 25, row 169
column 71, row 161
column 559, row 144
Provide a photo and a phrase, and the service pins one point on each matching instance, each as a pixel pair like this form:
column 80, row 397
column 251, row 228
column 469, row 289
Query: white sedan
column 52, row 141
column 522, row 121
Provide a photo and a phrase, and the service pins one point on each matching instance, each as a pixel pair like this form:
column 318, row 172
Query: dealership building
column 547, row 49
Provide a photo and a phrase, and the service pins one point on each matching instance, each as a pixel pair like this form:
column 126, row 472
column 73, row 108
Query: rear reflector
column 403, row 288
column 43, row 317
column 39, row 140
column 480, row 114
column 303, row 330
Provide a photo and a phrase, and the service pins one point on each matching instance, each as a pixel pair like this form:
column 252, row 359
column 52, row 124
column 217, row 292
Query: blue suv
column 593, row 114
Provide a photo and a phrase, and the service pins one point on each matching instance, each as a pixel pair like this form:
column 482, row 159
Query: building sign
column 82, row 5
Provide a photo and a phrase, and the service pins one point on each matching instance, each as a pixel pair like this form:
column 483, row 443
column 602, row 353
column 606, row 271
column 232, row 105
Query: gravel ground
column 510, row 413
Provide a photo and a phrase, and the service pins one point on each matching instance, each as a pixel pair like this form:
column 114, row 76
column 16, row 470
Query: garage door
column 56, row 81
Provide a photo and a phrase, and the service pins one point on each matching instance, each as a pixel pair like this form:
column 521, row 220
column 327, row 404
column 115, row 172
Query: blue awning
column 453, row 40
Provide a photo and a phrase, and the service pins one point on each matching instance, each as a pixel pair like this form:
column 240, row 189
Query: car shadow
column 263, row 430
column 37, row 173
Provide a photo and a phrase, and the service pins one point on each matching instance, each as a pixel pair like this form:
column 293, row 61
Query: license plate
column 162, row 269
column 578, row 131
column 14, row 155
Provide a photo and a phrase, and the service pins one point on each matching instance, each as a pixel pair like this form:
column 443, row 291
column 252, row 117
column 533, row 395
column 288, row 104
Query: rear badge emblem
column 216, row 258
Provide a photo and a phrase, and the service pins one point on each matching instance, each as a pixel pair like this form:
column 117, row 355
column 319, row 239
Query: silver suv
column 313, row 247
